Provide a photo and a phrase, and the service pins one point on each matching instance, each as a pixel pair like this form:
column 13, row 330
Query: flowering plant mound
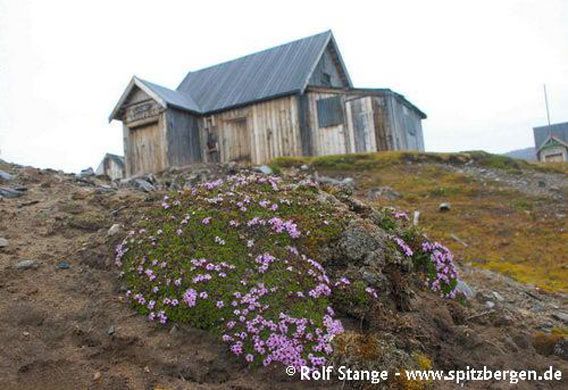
column 434, row 258
column 239, row 257
column 236, row 256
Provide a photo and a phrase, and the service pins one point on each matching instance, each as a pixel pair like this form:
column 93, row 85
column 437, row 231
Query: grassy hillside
column 521, row 235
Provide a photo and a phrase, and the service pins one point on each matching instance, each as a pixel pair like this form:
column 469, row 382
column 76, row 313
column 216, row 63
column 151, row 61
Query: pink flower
column 371, row 291
column 190, row 297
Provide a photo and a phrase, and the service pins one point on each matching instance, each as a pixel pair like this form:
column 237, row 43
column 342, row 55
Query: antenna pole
column 546, row 104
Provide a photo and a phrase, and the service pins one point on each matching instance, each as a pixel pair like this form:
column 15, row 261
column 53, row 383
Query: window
column 330, row 111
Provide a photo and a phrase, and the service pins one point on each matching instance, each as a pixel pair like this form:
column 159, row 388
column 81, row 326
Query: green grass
column 367, row 161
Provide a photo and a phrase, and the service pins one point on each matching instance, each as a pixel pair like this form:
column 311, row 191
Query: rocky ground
column 533, row 183
column 64, row 323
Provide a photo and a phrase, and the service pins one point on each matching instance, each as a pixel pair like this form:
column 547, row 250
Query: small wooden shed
column 291, row 100
column 112, row 166
column 551, row 142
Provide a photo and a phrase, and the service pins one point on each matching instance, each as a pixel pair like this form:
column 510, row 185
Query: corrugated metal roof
column 557, row 130
column 273, row 72
column 173, row 98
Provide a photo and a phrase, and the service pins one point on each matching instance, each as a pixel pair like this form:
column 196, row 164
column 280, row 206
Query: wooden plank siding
column 354, row 121
column 361, row 124
column 145, row 151
column 184, row 143
column 268, row 130
column 383, row 136
column 144, row 133
column 327, row 140
column 404, row 126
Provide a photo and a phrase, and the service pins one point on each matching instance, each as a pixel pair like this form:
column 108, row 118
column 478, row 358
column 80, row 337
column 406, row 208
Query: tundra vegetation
column 247, row 257
column 507, row 227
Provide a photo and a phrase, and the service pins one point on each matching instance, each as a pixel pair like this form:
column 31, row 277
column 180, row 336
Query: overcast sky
column 476, row 68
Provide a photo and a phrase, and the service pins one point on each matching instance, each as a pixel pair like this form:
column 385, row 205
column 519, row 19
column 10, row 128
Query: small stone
column 443, row 207
column 114, row 229
column 26, row 264
column 505, row 320
column 304, row 167
column 561, row 317
column 147, row 369
column 546, row 327
column 385, row 192
column 173, row 330
column 5, row 176
column 3, row 242
column 346, row 182
column 150, row 178
column 10, row 192
column 561, row 349
column 464, row 288
column 490, row 304
column 265, row 169
column 498, row 296
column 111, row 330
column 63, row 265
column 143, row 185
column 26, row 333
column 97, row 376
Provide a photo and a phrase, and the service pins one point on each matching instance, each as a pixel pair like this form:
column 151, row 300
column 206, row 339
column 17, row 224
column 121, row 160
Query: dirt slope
column 69, row 328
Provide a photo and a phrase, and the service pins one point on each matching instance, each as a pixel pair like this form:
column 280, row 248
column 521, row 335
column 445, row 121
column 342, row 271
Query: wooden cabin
column 296, row 99
column 551, row 142
column 111, row 166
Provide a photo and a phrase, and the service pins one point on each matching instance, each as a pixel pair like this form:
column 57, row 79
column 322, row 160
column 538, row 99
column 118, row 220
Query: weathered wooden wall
column 110, row 167
column 327, row 72
column 323, row 121
column 184, row 143
column 257, row 133
column 373, row 120
column 331, row 139
column 383, row 132
column 145, row 148
column 361, row 123
column 306, row 133
column 144, row 132
column 406, row 125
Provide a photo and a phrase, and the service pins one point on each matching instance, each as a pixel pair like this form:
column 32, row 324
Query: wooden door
column 362, row 125
column 236, row 140
column 147, row 150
